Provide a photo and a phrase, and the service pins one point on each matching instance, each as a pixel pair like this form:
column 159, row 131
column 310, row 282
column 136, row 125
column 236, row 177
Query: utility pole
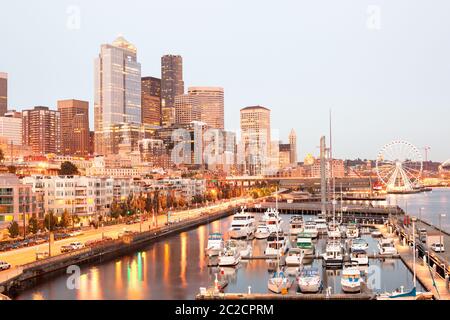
column 426, row 149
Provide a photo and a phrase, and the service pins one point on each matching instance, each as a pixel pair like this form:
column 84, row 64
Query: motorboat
column 244, row 248
column 333, row 256
column 376, row 233
column 294, row 257
column 413, row 294
column 279, row 283
column 352, row 231
column 305, row 244
column 311, row 229
column 276, row 244
column 215, row 244
column 274, row 223
column 360, row 257
column 309, row 280
column 242, row 225
column 359, row 244
column 334, row 231
column 262, row 231
column 386, row 247
column 351, row 279
column 296, row 225
column 230, row 256
column 269, row 213
column 321, row 225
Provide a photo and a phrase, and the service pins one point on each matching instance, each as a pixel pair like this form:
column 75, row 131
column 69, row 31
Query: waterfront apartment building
column 172, row 85
column 74, row 127
column 151, row 101
column 17, row 201
column 211, row 100
column 11, row 128
column 255, row 139
column 154, row 153
column 338, row 169
column 3, row 93
column 117, row 100
column 41, row 130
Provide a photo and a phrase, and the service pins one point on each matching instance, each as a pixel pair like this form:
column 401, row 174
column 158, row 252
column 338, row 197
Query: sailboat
column 278, row 283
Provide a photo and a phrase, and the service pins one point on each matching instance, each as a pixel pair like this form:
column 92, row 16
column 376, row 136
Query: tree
column 115, row 210
column 68, row 169
column 33, row 225
column 65, row 219
column 13, row 229
column 50, row 221
column 2, row 155
column 12, row 169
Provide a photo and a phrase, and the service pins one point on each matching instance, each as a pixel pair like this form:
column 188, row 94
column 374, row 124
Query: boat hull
column 351, row 288
column 229, row 261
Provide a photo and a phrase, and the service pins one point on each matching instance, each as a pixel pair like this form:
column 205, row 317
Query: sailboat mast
column 333, row 181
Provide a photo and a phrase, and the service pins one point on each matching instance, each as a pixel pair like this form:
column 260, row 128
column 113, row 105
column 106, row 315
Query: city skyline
column 394, row 87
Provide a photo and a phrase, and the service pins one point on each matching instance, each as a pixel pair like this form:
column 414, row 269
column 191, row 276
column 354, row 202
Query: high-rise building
column 41, row 130
column 117, row 102
column 255, row 139
column 11, row 128
column 74, row 127
column 151, row 101
column 211, row 101
column 187, row 109
column 172, row 85
column 293, row 143
column 3, row 93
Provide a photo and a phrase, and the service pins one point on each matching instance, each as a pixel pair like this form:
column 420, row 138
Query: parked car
column 41, row 255
column 77, row 245
column 4, row 265
column 438, row 247
column 66, row 248
column 76, row 233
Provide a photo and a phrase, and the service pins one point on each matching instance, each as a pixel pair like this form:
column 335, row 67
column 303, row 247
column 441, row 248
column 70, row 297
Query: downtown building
column 74, row 127
column 151, row 113
column 41, row 130
column 172, row 85
column 117, row 101
column 11, row 128
column 3, row 93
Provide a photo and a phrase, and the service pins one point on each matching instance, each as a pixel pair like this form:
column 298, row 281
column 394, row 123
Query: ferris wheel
column 399, row 166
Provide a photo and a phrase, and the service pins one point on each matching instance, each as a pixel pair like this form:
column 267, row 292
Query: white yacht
column 279, row 282
column 276, row 244
column 305, row 244
column 311, row 229
column 321, row 225
column 296, row 225
column 351, row 279
column 244, row 248
column 352, row 231
column 215, row 244
column 334, row 231
column 294, row 257
column 333, row 256
column 242, row 226
column 360, row 257
column 270, row 213
column 309, row 280
column 274, row 223
column 376, row 233
column 359, row 244
column 387, row 247
column 262, row 231
column 229, row 257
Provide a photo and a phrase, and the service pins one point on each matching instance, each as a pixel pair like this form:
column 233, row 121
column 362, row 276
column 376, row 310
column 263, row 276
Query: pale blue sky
column 299, row 58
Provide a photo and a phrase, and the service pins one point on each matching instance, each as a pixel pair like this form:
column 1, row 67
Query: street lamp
column 443, row 215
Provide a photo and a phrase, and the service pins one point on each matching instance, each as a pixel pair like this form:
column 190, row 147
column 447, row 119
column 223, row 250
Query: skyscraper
column 3, row 93
column 151, row 101
column 211, row 101
column 11, row 128
column 256, row 139
column 117, row 101
column 42, row 130
column 293, row 143
column 74, row 127
column 172, row 85
column 187, row 109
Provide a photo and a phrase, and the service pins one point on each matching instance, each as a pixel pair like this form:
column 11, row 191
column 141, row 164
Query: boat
column 279, row 283
column 242, row 226
column 269, row 213
column 334, row 231
column 351, row 279
column 333, row 257
column 311, row 229
column 296, row 225
column 215, row 244
column 321, row 225
column 309, row 280
column 274, row 223
column 262, row 231
column 359, row 244
column 360, row 257
column 402, row 295
column 376, row 233
column 387, row 247
column 305, row 244
column 294, row 257
column 276, row 244
column 230, row 256
column 352, row 231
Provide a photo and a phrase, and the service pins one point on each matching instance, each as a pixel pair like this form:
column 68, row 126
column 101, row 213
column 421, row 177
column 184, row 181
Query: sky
column 382, row 67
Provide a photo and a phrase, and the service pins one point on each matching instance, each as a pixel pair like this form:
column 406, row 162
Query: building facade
column 172, row 85
column 187, row 109
column 74, row 127
column 211, row 100
column 11, row 128
column 41, row 130
column 151, row 101
column 3, row 93
column 117, row 100
column 293, row 149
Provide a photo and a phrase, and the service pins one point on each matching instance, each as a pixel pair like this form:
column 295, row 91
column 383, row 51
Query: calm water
column 176, row 267
column 433, row 203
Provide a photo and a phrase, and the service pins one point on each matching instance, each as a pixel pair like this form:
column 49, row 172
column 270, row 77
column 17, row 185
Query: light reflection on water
column 175, row 268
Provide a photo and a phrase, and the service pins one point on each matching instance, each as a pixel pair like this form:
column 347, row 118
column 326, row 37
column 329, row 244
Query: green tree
column 33, row 225
column 68, row 169
column 12, row 169
column 50, row 221
column 13, row 229
column 65, row 219
column 115, row 210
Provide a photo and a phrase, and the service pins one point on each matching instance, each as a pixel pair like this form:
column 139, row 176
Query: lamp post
column 443, row 215
column 414, row 248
